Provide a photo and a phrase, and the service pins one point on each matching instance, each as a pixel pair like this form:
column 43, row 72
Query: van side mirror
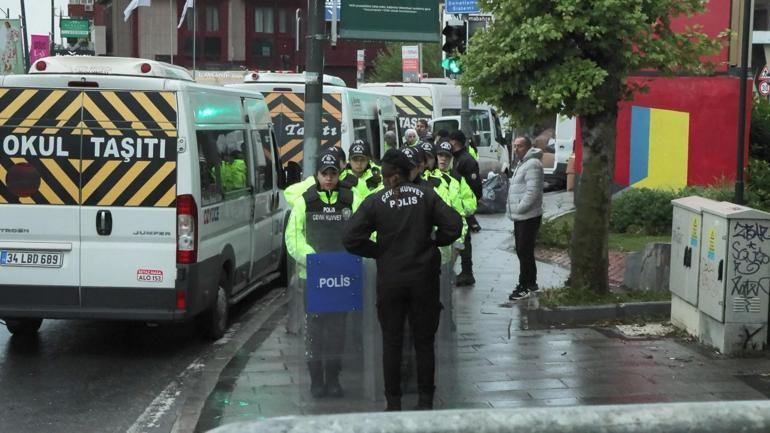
column 293, row 173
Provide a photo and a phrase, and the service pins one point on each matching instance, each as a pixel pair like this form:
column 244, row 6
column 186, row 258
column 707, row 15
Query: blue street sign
column 328, row 10
column 334, row 283
column 462, row 7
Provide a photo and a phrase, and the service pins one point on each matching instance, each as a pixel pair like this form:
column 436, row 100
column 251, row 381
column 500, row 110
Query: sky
column 38, row 14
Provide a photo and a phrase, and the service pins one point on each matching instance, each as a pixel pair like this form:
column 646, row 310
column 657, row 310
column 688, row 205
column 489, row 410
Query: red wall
column 715, row 20
column 712, row 103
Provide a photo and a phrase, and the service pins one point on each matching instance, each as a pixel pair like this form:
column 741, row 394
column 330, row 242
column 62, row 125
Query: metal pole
column 25, row 46
column 744, row 71
column 314, row 61
column 195, row 36
column 171, row 34
column 465, row 113
column 465, row 102
column 334, row 24
column 297, row 20
column 53, row 28
column 419, row 58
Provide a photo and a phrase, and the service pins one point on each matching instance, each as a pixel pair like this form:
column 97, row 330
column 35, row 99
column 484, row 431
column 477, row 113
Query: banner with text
column 40, row 47
column 11, row 51
column 390, row 20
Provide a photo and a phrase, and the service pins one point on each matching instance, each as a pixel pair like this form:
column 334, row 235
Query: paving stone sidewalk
column 493, row 362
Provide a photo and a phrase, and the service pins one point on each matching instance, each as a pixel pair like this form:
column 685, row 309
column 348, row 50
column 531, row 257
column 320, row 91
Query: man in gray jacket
column 525, row 208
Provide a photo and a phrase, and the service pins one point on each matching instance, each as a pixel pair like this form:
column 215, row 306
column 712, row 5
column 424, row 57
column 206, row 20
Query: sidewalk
column 496, row 364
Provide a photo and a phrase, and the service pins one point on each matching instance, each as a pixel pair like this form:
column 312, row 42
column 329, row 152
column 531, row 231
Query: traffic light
column 452, row 65
column 455, row 39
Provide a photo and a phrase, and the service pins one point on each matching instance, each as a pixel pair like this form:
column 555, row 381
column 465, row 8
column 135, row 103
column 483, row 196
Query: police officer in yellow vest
column 361, row 175
column 316, row 224
column 295, row 191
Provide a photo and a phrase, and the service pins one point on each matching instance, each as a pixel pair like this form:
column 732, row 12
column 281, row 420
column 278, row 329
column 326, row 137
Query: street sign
column 410, row 63
column 765, row 74
column 328, row 10
column 390, row 20
column 75, row 28
column 462, row 7
column 764, row 88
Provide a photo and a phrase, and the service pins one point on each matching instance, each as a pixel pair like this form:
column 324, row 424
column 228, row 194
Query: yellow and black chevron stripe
column 91, row 148
column 287, row 110
column 414, row 106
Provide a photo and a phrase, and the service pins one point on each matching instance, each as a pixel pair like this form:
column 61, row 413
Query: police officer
column 467, row 167
column 294, row 191
column 316, row 224
column 361, row 175
column 406, row 249
column 467, row 198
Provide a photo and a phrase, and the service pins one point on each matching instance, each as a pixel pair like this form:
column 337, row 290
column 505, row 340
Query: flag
column 133, row 5
column 187, row 5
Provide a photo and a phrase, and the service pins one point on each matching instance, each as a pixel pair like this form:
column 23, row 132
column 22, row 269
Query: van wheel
column 213, row 322
column 23, row 326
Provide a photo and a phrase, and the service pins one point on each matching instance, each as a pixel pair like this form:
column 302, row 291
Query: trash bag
column 494, row 195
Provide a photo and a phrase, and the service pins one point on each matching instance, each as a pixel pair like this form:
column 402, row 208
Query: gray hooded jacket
column 525, row 194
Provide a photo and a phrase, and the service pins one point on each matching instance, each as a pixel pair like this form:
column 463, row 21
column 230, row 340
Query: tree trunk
column 589, row 251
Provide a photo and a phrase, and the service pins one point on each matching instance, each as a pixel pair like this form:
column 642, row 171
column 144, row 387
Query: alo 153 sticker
column 149, row 275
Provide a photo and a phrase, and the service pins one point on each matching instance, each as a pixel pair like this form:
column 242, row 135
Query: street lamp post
column 742, row 95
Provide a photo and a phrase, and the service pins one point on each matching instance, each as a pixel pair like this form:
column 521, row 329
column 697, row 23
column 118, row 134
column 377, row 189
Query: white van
column 348, row 114
column 439, row 98
column 130, row 192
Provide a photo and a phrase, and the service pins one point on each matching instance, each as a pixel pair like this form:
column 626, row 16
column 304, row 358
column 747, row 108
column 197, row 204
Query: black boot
column 317, row 386
column 394, row 403
column 333, row 387
column 424, row 401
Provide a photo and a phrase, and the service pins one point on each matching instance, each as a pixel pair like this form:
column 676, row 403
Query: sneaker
column 465, row 279
column 533, row 288
column 518, row 293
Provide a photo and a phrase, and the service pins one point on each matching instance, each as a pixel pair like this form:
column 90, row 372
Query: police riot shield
column 329, row 367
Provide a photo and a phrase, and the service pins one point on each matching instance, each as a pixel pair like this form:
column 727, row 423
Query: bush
column 759, row 135
column 758, row 188
column 556, row 233
column 642, row 211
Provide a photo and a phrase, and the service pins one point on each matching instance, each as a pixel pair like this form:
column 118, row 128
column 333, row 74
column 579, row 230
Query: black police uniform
column 324, row 224
column 408, row 267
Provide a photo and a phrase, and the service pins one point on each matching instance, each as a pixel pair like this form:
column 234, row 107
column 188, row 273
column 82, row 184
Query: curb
column 589, row 314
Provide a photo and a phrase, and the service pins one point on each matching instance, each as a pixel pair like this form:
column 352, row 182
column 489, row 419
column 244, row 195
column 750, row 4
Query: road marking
column 153, row 416
column 154, row 413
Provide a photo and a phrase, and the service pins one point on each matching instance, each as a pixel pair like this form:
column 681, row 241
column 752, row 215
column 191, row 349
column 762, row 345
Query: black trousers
column 466, row 255
column 325, row 341
column 423, row 308
column 525, row 232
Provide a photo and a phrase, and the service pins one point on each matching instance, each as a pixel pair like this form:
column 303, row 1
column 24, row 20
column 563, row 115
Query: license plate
column 31, row 258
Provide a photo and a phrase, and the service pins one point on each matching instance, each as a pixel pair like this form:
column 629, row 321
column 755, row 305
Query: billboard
column 410, row 63
column 11, row 51
column 390, row 20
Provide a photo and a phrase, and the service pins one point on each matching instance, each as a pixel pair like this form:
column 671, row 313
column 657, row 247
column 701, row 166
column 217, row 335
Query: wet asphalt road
column 86, row 376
